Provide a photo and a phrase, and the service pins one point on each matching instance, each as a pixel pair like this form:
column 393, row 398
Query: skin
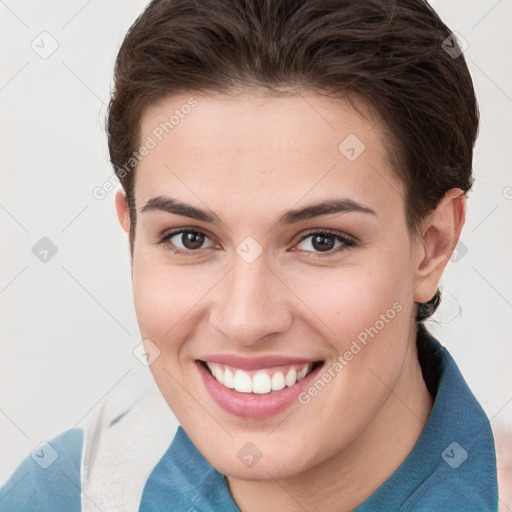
column 250, row 158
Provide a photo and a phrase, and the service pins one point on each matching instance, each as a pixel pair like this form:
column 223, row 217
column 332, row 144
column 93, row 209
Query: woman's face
column 256, row 181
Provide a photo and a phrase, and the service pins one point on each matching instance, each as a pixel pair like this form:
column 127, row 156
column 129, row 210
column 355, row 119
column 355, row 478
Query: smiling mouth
column 262, row 381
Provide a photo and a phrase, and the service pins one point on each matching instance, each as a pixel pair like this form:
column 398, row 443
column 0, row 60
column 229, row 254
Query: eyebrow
column 326, row 207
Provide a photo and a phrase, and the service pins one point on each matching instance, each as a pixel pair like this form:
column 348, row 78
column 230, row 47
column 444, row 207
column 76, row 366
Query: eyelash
column 347, row 242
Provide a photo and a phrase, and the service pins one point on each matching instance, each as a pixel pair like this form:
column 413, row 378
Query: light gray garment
column 124, row 438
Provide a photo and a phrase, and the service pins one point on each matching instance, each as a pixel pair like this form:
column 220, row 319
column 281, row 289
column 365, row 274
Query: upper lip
column 254, row 363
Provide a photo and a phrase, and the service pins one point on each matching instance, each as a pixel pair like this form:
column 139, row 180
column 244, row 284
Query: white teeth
column 261, row 383
column 303, row 372
column 278, row 381
column 229, row 378
column 243, row 382
column 291, row 377
column 217, row 372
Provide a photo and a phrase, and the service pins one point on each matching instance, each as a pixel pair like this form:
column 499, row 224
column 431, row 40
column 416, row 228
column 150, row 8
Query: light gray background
column 68, row 326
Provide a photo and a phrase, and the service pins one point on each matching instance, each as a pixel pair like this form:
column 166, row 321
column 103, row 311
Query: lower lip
column 251, row 405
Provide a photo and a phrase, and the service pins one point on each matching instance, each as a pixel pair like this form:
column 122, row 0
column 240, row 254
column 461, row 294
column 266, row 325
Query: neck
column 346, row 480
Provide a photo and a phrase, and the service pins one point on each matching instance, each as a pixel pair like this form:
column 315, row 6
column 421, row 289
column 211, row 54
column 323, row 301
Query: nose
column 251, row 304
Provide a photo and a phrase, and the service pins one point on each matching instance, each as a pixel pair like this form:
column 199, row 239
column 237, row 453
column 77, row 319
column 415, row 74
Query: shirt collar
column 452, row 465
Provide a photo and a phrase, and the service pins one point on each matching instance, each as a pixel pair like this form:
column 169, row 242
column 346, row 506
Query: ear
column 440, row 233
column 123, row 213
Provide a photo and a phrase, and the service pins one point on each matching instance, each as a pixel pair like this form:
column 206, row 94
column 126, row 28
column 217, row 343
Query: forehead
column 244, row 147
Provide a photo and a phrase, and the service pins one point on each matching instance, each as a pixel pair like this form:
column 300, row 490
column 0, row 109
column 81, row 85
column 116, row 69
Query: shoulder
column 48, row 480
column 452, row 467
column 459, row 435
column 123, row 441
column 102, row 463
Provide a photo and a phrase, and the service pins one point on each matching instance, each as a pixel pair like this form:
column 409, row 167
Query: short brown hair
column 393, row 52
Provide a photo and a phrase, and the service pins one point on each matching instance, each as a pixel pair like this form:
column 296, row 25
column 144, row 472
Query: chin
column 269, row 463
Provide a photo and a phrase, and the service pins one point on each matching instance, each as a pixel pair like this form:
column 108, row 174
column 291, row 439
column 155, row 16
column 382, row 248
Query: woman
column 294, row 178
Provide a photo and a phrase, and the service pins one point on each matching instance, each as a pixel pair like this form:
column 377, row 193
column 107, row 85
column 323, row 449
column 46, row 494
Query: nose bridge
column 250, row 305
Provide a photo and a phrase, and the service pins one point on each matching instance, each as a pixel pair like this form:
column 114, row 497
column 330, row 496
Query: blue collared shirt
column 452, row 467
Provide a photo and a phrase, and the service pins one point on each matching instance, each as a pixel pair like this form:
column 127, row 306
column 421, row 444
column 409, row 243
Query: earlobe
column 123, row 213
column 439, row 236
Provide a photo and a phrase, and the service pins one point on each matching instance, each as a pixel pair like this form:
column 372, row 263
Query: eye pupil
column 326, row 242
column 192, row 240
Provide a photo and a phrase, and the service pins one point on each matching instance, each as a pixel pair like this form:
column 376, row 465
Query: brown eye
column 192, row 240
column 184, row 241
column 325, row 242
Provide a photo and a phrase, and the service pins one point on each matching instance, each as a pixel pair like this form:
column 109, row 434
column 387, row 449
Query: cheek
column 364, row 313
column 164, row 295
column 154, row 296
column 349, row 299
column 164, row 302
